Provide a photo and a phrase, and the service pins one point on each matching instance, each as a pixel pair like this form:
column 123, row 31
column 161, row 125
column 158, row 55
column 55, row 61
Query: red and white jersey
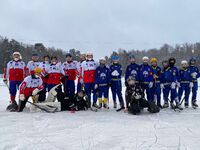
column 29, row 84
column 55, row 72
column 44, row 66
column 15, row 71
column 31, row 66
column 70, row 69
column 88, row 68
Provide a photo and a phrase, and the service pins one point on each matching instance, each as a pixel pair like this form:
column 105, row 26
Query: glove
column 191, row 84
column 150, row 84
column 194, row 75
column 5, row 81
column 22, row 97
column 178, row 84
column 162, row 86
column 35, row 91
column 95, row 86
column 115, row 73
column 137, row 96
column 173, row 85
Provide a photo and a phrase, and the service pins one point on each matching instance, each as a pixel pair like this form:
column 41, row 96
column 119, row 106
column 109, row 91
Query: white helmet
column 145, row 59
column 184, row 62
column 102, row 58
column 17, row 53
column 89, row 53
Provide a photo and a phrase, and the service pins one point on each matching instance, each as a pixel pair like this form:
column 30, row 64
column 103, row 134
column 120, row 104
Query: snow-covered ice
column 103, row 130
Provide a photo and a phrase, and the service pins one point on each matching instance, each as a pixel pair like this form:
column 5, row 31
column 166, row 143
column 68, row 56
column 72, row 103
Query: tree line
column 180, row 52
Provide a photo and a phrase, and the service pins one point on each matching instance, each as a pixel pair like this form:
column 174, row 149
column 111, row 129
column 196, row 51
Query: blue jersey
column 146, row 74
column 194, row 69
column 175, row 74
column 156, row 73
column 132, row 70
column 166, row 75
column 116, row 71
column 185, row 76
column 102, row 75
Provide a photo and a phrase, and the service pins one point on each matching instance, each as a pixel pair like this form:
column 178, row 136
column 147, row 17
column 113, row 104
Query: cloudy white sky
column 101, row 26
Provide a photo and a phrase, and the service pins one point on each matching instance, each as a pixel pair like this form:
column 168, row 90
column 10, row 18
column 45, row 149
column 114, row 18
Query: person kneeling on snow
column 135, row 98
column 78, row 102
column 31, row 86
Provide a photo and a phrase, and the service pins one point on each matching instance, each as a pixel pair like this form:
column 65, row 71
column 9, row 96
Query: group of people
column 95, row 78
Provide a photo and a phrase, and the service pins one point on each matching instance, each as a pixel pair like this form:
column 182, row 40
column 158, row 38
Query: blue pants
column 167, row 89
column 13, row 87
column 103, row 91
column 69, row 88
column 50, row 86
column 157, row 92
column 89, row 89
column 116, row 88
column 79, row 87
column 42, row 95
column 194, row 91
column 185, row 87
column 149, row 92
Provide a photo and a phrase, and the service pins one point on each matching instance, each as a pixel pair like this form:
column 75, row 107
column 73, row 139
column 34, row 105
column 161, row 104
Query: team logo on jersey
column 103, row 75
column 134, row 72
column 145, row 73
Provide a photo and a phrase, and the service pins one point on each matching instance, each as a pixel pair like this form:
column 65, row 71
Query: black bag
column 153, row 108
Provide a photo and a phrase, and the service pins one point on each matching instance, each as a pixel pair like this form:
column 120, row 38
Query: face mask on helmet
column 172, row 62
column 16, row 59
column 54, row 62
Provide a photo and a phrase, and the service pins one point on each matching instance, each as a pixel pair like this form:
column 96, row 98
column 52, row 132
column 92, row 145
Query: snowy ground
column 103, row 130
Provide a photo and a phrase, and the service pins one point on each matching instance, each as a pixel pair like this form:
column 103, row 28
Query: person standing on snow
column 132, row 70
column 156, row 83
column 146, row 78
column 195, row 75
column 55, row 73
column 174, row 82
column 34, row 63
column 88, row 78
column 44, row 66
column 166, row 84
column 31, row 86
column 116, row 85
column 78, row 67
column 69, row 68
column 15, row 73
column 102, row 82
column 185, row 81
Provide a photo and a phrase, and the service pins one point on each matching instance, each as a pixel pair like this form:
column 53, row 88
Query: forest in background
column 179, row 51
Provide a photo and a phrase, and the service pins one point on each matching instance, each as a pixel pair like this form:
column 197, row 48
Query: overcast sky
column 101, row 26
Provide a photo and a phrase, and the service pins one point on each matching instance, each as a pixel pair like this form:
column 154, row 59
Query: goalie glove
column 21, row 97
column 35, row 91
column 115, row 73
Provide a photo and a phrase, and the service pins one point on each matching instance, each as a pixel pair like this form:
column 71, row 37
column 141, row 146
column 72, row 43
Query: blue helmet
column 193, row 60
column 131, row 56
column 114, row 57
